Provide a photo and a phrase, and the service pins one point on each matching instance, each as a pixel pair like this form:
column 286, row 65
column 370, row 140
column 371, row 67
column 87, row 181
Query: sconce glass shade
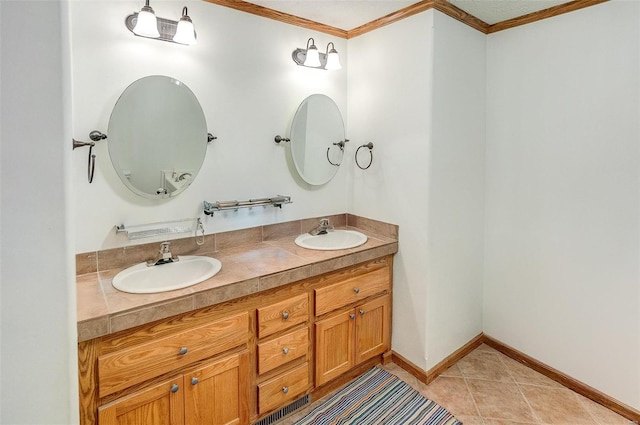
column 185, row 33
column 333, row 60
column 313, row 56
column 146, row 25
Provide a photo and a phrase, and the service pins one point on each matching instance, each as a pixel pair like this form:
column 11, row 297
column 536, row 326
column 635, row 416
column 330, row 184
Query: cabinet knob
column 183, row 351
column 194, row 381
column 175, row 388
column 285, row 389
column 285, row 315
column 356, row 290
column 361, row 312
column 285, row 350
column 352, row 316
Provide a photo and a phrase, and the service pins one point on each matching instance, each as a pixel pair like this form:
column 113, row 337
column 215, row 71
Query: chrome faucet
column 183, row 176
column 164, row 256
column 322, row 229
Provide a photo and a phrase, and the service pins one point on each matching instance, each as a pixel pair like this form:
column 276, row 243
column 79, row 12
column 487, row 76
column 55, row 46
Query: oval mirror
column 317, row 139
column 157, row 137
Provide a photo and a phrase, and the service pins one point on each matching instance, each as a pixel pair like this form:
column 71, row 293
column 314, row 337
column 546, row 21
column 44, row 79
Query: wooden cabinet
column 279, row 351
column 193, row 369
column 350, row 337
column 283, row 388
column 215, row 393
column 241, row 360
column 122, row 368
column 282, row 315
column 283, row 350
column 158, row 404
column 352, row 289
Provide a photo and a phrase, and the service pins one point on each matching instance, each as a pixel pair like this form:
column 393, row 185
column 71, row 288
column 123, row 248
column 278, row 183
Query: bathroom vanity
column 304, row 323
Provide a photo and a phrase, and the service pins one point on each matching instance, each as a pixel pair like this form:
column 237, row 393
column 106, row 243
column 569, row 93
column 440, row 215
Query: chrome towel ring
column 370, row 146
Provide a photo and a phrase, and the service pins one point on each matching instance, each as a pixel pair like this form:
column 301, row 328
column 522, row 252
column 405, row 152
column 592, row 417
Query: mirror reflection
column 157, row 137
column 317, row 139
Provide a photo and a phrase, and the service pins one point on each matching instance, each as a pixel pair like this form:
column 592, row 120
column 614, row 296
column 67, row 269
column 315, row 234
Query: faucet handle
column 164, row 247
column 324, row 222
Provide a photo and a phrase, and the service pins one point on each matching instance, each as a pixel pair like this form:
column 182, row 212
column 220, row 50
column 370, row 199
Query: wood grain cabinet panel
column 334, row 346
column 218, row 393
column 159, row 404
column 283, row 315
column 215, row 393
column 124, row 368
column 346, row 339
column 340, row 294
column 372, row 329
column 283, row 388
column 282, row 350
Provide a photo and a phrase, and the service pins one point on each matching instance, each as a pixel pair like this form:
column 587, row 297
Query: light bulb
column 333, row 60
column 146, row 24
column 313, row 57
column 185, row 34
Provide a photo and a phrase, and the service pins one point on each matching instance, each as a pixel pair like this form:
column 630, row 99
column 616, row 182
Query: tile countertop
column 247, row 269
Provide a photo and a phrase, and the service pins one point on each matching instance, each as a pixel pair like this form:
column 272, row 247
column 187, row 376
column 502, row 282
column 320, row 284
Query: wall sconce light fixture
column 146, row 24
column 312, row 58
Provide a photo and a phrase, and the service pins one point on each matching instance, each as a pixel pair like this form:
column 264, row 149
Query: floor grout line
column 475, row 403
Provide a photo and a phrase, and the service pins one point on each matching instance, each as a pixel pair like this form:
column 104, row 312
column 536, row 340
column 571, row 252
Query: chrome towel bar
column 276, row 201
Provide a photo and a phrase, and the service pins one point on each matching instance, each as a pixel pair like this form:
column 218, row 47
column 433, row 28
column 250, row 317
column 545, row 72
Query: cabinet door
column 217, row 393
column 372, row 329
column 160, row 404
column 334, row 346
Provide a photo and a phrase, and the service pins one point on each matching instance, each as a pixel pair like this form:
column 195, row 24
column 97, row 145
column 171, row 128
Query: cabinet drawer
column 278, row 391
column 121, row 369
column 283, row 315
column 357, row 288
column 282, row 350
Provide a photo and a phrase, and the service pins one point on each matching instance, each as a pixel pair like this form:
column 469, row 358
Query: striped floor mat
column 376, row 398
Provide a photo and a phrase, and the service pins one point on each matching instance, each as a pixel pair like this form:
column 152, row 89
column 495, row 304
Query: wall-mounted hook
column 91, row 165
column 210, row 137
column 370, row 146
column 279, row 139
column 341, row 144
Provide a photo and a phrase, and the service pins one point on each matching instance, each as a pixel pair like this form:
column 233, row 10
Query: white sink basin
column 337, row 239
column 140, row 279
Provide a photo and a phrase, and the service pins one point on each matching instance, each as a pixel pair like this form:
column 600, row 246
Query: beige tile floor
column 488, row 388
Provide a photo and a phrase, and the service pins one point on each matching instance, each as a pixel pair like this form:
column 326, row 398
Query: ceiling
column 350, row 14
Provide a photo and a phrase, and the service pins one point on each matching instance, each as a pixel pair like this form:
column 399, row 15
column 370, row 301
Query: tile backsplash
column 94, row 261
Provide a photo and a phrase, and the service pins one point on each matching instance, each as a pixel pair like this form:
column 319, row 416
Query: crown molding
column 442, row 6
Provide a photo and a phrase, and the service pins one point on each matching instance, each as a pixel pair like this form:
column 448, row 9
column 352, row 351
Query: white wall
column 390, row 93
column 562, row 221
column 561, row 235
column 425, row 115
column 249, row 88
column 37, row 326
column 454, row 252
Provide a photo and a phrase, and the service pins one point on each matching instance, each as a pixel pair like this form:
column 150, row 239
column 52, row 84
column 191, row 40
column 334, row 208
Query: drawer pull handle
column 285, row 350
column 175, row 388
column 194, row 381
column 183, row 351
column 285, row 315
column 361, row 312
column 352, row 316
column 285, row 389
column 356, row 290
